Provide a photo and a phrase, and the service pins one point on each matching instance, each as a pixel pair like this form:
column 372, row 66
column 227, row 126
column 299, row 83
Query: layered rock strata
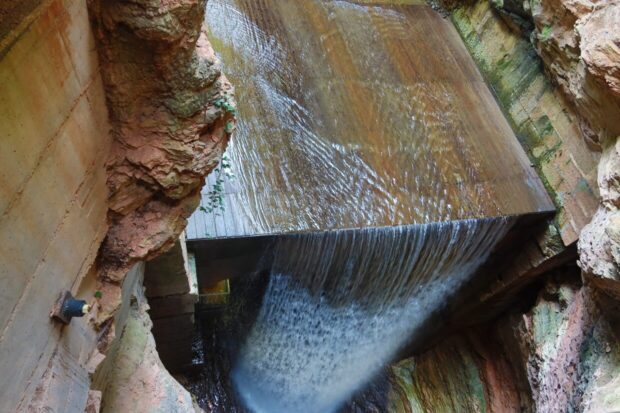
column 559, row 355
column 579, row 44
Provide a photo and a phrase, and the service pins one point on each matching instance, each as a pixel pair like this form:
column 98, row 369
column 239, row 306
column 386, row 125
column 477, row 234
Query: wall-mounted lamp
column 67, row 307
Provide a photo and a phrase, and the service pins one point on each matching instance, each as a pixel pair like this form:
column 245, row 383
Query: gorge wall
column 53, row 203
column 107, row 134
column 109, row 127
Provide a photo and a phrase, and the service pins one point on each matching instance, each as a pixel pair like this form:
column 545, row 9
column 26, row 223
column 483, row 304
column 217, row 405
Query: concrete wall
column 53, row 202
column 172, row 292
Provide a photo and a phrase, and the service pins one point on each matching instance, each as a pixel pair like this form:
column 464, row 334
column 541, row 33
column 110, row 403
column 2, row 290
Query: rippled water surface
column 355, row 115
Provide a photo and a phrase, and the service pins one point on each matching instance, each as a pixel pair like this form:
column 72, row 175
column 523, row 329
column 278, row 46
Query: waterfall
column 340, row 304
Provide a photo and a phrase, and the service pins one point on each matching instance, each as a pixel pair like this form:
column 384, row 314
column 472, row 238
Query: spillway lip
column 534, row 217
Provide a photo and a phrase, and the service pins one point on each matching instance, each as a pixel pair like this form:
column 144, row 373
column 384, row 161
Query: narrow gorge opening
column 399, row 206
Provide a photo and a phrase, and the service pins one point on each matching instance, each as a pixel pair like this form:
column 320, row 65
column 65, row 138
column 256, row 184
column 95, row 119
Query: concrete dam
column 371, row 176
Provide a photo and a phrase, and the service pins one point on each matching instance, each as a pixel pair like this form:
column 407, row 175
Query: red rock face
column 161, row 79
column 560, row 355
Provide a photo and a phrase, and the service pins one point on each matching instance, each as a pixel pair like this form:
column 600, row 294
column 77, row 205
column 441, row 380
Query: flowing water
column 354, row 116
column 340, row 305
column 370, row 145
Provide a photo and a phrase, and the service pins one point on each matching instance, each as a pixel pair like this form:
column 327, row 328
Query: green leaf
column 546, row 33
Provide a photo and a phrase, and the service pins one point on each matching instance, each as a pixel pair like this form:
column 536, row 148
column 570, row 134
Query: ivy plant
column 214, row 199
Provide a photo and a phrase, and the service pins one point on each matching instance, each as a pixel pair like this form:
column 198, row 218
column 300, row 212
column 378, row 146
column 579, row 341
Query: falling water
column 367, row 131
column 339, row 305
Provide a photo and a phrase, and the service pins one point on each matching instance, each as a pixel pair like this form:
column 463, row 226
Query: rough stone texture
column 579, row 44
column 131, row 377
column 138, row 381
column 53, row 202
column 561, row 355
column 599, row 246
column 543, row 120
column 162, row 80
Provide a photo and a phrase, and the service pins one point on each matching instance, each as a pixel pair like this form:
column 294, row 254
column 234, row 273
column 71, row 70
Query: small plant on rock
column 546, row 33
column 225, row 104
column 213, row 202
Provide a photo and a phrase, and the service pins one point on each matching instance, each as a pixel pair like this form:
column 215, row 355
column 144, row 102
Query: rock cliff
column 579, row 44
column 162, row 80
column 562, row 354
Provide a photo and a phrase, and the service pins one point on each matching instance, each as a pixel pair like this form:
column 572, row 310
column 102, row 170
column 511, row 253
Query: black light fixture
column 67, row 307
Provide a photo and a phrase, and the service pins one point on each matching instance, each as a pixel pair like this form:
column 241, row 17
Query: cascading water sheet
column 353, row 116
column 339, row 305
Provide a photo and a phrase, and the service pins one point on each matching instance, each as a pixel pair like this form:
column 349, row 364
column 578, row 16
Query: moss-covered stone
column 543, row 122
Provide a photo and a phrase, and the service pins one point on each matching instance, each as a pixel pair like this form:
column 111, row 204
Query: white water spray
column 339, row 305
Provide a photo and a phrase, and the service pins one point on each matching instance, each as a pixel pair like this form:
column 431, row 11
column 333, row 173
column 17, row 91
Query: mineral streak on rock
column 163, row 84
column 579, row 44
column 560, row 355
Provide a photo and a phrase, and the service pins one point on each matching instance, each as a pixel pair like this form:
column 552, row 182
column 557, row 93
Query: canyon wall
column 107, row 135
column 162, row 82
column 562, row 354
column 53, row 202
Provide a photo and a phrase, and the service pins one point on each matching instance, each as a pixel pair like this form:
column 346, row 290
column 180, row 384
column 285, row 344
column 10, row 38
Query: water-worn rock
column 579, row 44
column 138, row 381
column 561, row 355
column 164, row 90
column 599, row 244
column 162, row 81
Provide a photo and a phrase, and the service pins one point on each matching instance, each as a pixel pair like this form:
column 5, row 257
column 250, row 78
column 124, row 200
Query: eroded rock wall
column 172, row 113
column 162, row 81
column 560, row 355
column 579, row 44
column 106, row 140
column 135, row 378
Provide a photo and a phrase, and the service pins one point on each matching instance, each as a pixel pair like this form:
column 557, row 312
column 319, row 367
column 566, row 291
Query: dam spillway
column 373, row 163
column 354, row 116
